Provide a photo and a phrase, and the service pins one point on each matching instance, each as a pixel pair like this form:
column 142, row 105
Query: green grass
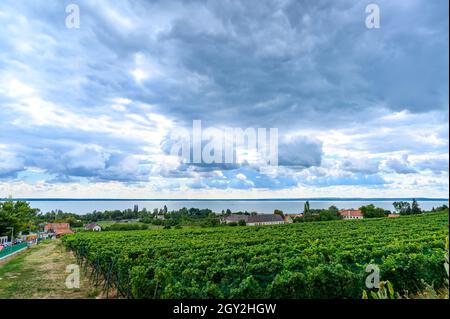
column 106, row 223
column 39, row 272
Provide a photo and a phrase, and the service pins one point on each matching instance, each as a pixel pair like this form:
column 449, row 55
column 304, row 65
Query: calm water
column 260, row 206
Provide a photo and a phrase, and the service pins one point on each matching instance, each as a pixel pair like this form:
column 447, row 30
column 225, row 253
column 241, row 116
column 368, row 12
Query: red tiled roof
column 55, row 226
column 59, row 228
column 63, row 232
column 351, row 212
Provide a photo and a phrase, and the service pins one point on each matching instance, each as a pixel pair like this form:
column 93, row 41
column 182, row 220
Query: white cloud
column 10, row 163
column 118, row 107
column 99, row 101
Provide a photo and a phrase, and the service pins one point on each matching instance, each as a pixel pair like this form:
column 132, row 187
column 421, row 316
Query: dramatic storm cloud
column 88, row 111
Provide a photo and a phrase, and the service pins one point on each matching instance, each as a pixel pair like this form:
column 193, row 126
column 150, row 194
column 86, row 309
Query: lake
column 83, row 206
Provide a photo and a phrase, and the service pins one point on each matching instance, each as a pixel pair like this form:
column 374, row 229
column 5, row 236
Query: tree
column 403, row 208
column 306, row 209
column 17, row 214
column 72, row 221
column 439, row 208
column 242, row 222
column 298, row 219
column 332, row 213
column 326, row 215
column 333, row 209
column 278, row 212
column 308, row 215
column 370, row 211
column 415, row 208
column 211, row 220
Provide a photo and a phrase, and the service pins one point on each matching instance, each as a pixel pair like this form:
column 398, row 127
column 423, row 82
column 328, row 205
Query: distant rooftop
column 255, row 218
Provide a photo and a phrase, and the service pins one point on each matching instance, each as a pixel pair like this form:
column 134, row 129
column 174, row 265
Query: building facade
column 349, row 214
column 58, row 228
column 255, row 220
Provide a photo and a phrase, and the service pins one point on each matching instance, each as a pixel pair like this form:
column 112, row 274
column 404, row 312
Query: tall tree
column 415, row 208
column 306, row 209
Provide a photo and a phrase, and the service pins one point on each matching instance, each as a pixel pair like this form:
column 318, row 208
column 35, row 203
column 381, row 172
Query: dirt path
column 39, row 272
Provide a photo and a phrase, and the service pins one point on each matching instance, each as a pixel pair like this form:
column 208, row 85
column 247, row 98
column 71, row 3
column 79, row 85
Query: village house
column 255, row 220
column 93, row 227
column 394, row 215
column 58, row 228
column 234, row 218
column 294, row 216
column 288, row 219
column 348, row 214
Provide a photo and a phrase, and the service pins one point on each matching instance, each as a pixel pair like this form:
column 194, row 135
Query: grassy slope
column 39, row 272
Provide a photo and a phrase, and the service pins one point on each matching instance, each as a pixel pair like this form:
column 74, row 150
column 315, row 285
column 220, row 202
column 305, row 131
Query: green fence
column 9, row 250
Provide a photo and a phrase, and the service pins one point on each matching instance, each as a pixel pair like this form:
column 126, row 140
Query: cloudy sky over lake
column 86, row 112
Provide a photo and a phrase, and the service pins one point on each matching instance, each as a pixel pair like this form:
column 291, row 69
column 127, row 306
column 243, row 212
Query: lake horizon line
column 230, row 199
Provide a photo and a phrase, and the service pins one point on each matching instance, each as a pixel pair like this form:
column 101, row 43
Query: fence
column 11, row 250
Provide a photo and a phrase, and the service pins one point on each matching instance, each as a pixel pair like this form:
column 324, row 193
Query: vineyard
column 305, row 260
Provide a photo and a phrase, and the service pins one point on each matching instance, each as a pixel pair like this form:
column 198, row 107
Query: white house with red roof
column 348, row 214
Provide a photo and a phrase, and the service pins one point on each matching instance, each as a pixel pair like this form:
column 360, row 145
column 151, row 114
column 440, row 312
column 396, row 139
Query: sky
column 90, row 112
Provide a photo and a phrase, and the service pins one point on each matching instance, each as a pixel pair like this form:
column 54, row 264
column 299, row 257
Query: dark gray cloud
column 299, row 66
column 361, row 165
column 400, row 166
column 437, row 166
column 10, row 165
column 300, row 152
column 280, row 63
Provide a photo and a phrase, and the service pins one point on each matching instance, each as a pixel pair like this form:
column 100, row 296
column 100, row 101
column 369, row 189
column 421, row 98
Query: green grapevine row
column 305, row 260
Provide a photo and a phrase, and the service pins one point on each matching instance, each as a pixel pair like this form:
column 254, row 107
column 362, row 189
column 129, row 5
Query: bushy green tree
column 328, row 214
column 242, row 222
column 278, row 212
column 440, row 208
column 403, row 208
column 333, row 209
column 17, row 214
column 370, row 211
